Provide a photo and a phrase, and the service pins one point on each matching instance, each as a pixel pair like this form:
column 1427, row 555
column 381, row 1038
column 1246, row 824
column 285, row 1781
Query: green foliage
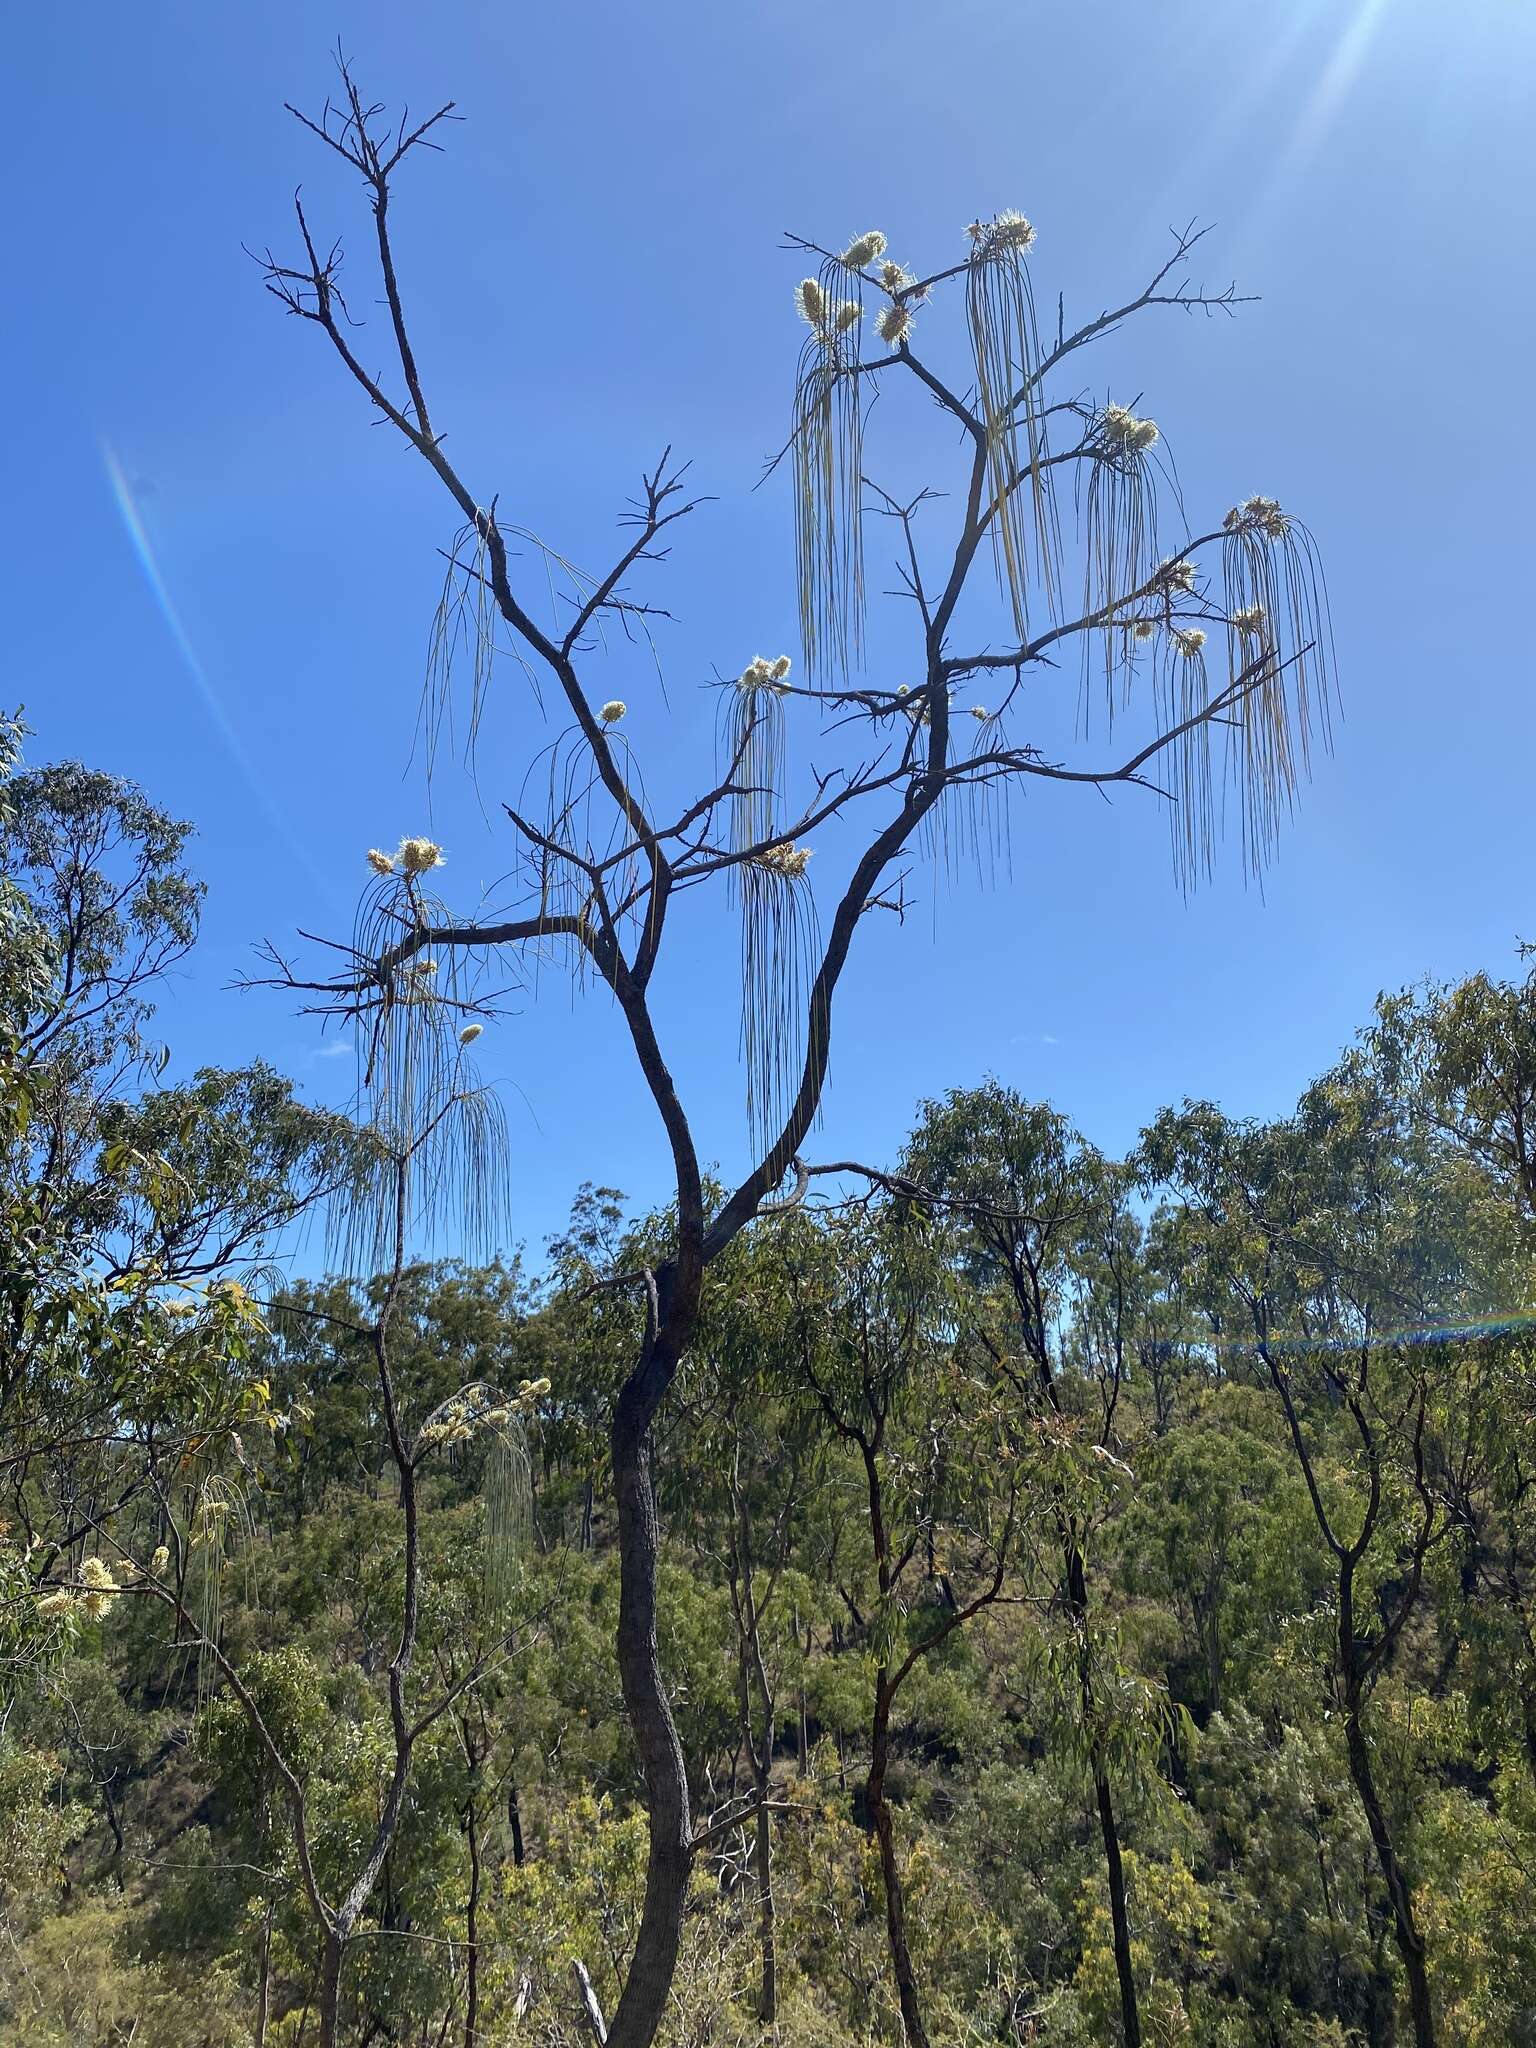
column 1200, row 1484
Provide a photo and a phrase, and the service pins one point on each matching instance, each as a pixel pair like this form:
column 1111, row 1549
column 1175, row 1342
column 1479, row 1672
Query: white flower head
column 1249, row 622
column 980, row 713
column 470, row 1033
column 849, row 314
column 1121, row 429
column 418, row 856
column 1258, row 515
column 1190, row 642
column 780, row 669
column 789, row 861
column 810, row 301
column 864, row 250
column 381, row 863
column 893, row 324
column 1009, row 230
column 613, row 711
column 1178, row 574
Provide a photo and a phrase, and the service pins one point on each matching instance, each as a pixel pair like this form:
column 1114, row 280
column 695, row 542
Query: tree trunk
column 768, row 2003
column 1130, row 2016
column 1410, row 1942
column 895, row 1899
column 264, row 1979
column 670, row 1863
column 515, row 1823
column 472, row 1931
column 330, row 1987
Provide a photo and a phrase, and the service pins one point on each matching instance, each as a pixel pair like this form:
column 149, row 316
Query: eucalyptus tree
column 189, row 1179
column 1463, row 1057
column 1332, row 1250
column 746, row 1492
column 126, row 1206
column 927, row 1425
column 1220, row 640
column 129, row 1380
column 1041, row 1218
column 1461, row 1060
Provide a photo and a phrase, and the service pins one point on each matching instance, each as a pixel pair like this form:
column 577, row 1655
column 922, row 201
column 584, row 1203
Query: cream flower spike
column 864, row 250
column 417, row 856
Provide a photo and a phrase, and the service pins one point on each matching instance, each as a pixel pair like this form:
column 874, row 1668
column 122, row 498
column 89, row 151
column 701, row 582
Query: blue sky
column 595, row 273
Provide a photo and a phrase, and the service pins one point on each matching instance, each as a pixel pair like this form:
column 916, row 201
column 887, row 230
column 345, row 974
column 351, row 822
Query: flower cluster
column 1189, row 642
column 1143, row 629
column 789, row 861
column 1178, row 574
column 94, row 1592
column 417, row 856
column 1249, row 623
column 411, row 857
column 478, row 1408
column 1009, row 230
column 613, row 711
column 864, row 250
column 470, row 1033
column 829, row 317
column 893, row 324
column 762, row 674
column 1121, row 430
column 1258, row 515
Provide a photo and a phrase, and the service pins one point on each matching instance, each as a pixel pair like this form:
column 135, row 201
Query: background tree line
column 1096, row 1595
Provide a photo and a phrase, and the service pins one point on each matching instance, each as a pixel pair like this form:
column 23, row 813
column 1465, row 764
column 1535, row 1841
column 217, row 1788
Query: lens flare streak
column 143, row 547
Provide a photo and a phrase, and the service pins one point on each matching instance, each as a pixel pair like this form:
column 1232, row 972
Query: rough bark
column 670, row 1862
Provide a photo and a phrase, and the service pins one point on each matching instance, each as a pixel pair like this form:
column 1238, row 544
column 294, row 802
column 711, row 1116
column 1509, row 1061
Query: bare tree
column 604, row 869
